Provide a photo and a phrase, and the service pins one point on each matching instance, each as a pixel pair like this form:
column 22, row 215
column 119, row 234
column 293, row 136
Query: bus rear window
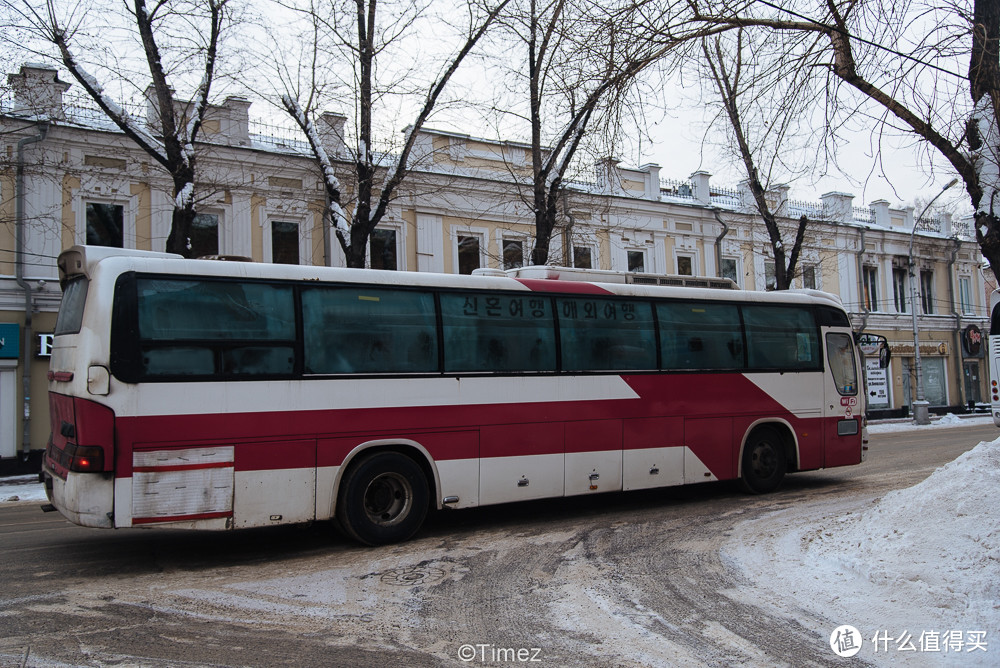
column 70, row 317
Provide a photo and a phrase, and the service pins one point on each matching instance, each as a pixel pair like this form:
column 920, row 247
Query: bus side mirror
column 871, row 344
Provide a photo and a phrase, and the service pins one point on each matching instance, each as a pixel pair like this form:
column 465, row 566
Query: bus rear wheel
column 383, row 499
column 764, row 462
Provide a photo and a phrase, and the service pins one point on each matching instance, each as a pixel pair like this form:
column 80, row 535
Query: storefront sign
column 44, row 345
column 878, row 384
column 10, row 341
column 972, row 341
column 869, row 344
column 926, row 348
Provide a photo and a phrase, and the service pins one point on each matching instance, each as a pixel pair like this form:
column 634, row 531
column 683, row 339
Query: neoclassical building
column 68, row 176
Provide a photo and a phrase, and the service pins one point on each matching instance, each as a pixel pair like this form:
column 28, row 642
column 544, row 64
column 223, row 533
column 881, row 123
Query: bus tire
column 383, row 499
column 764, row 462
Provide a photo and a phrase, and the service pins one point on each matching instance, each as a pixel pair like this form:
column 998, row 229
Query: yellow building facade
column 464, row 206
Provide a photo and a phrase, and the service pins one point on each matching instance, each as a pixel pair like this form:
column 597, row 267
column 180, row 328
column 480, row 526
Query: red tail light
column 82, row 458
column 83, row 434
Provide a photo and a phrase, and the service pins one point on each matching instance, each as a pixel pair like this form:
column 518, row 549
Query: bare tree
column 754, row 102
column 582, row 59
column 192, row 30
column 905, row 59
column 376, row 174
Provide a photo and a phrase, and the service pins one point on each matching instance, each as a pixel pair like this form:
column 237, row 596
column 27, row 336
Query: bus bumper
column 92, row 496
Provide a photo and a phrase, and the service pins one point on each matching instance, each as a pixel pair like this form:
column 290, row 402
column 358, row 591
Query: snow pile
column 945, row 421
column 23, row 488
column 934, row 546
column 911, row 566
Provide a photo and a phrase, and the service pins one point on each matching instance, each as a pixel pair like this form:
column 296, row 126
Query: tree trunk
column 179, row 240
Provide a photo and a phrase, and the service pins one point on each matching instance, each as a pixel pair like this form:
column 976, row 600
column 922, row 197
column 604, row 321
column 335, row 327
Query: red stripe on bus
column 570, row 287
column 181, row 518
column 670, row 411
column 180, row 467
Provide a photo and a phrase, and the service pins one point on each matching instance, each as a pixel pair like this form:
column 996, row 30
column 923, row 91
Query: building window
column 809, row 278
column 927, row 291
column 582, row 258
column 204, row 239
column 869, row 277
column 468, row 254
column 382, row 244
column 770, row 276
column 900, row 288
column 965, row 294
column 637, row 261
column 685, row 265
column 729, row 269
column 105, row 225
column 513, row 253
column 284, row 242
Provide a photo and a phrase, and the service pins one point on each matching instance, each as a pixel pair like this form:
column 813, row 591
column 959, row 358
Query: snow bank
column 943, row 422
column 913, row 567
column 934, row 545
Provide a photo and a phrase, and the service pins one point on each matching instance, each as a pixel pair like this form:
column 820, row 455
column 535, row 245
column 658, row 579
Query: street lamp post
column 921, row 413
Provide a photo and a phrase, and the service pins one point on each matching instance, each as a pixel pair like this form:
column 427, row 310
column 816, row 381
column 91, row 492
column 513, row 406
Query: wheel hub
column 388, row 498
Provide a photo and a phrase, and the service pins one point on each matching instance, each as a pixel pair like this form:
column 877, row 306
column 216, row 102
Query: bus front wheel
column 383, row 499
column 764, row 462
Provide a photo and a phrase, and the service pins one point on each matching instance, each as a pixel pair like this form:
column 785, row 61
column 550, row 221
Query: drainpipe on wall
column 861, row 281
column 718, row 243
column 43, row 129
column 956, row 335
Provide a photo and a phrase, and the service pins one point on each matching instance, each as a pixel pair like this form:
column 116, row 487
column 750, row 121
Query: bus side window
column 497, row 332
column 357, row 329
column 700, row 335
column 599, row 334
column 213, row 327
column 781, row 338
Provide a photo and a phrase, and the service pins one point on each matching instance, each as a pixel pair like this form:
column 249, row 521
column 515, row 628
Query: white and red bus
column 218, row 395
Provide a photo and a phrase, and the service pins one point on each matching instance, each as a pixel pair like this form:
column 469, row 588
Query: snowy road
column 695, row 576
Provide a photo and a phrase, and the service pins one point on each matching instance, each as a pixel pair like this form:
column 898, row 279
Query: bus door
column 844, row 406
